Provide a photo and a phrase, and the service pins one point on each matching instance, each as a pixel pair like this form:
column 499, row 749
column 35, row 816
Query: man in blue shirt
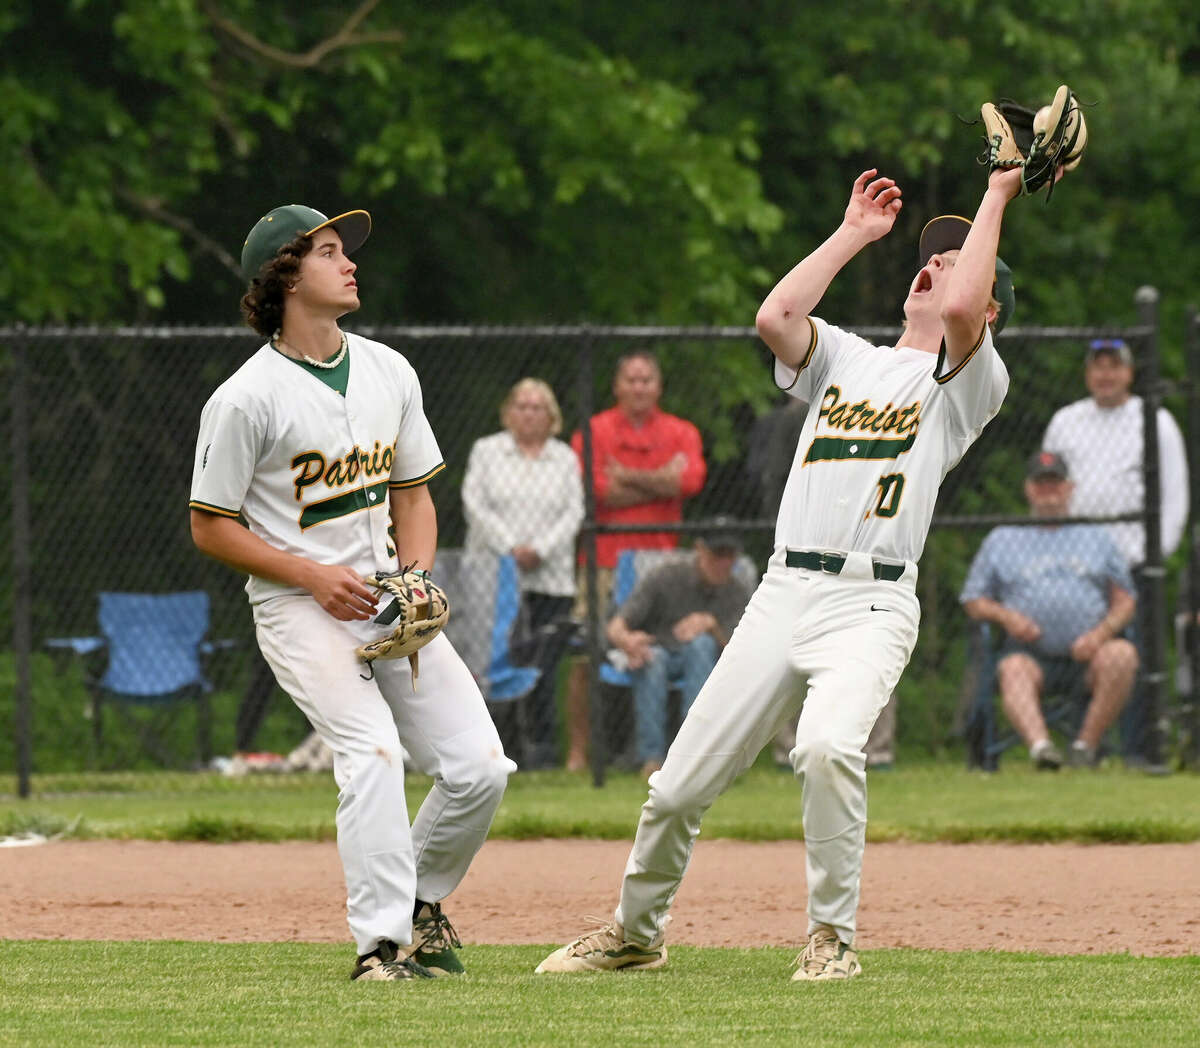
column 1063, row 595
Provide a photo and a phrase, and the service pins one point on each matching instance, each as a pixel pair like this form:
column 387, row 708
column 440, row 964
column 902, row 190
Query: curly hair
column 262, row 304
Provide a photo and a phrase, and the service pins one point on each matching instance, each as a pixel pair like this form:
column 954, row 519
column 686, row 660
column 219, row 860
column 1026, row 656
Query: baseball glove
column 1038, row 142
column 417, row 613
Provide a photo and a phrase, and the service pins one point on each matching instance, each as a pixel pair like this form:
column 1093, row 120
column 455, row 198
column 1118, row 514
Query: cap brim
column 353, row 227
column 949, row 233
column 944, row 233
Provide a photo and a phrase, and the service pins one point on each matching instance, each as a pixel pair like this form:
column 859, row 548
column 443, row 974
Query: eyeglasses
column 1115, row 345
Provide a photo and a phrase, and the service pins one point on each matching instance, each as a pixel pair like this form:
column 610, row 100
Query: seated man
column 1063, row 594
column 673, row 626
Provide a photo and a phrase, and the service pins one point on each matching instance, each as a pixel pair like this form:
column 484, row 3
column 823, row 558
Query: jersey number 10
column 891, row 487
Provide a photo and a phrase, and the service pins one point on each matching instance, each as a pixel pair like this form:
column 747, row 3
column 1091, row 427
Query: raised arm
column 782, row 318
column 965, row 309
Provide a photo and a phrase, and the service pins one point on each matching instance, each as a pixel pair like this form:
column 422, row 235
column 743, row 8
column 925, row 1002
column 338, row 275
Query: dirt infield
column 1042, row 898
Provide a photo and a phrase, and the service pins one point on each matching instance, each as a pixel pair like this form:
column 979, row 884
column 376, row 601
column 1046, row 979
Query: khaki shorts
column 604, row 585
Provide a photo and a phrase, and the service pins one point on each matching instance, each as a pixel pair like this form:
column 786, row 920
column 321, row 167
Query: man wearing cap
column 834, row 621
column 672, row 629
column 320, row 444
column 1063, row 596
column 1100, row 437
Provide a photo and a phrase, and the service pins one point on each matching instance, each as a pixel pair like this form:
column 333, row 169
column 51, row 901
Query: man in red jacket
column 645, row 462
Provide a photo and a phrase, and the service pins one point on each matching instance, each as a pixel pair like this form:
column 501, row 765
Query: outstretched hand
column 874, row 205
column 1007, row 181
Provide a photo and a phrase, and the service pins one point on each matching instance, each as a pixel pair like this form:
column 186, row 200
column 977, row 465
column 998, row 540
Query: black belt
column 832, row 563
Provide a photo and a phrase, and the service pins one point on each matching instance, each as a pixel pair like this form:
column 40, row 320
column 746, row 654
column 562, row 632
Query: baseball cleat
column 385, row 964
column 436, row 941
column 604, row 949
column 826, row 957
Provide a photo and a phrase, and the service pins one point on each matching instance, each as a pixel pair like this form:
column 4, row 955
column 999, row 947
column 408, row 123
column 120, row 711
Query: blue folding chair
column 506, row 682
column 156, row 652
column 485, row 600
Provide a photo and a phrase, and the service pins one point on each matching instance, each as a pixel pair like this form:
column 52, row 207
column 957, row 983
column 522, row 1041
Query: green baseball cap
column 284, row 224
column 948, row 233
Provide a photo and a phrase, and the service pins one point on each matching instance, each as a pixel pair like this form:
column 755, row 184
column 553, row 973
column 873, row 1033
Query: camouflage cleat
column 604, row 949
column 826, row 957
column 385, row 964
column 436, row 941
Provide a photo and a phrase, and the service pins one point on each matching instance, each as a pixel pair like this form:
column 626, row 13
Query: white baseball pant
column 442, row 725
column 808, row 641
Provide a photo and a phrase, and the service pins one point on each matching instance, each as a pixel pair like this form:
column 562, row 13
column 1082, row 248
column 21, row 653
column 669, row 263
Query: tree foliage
column 554, row 161
column 511, row 176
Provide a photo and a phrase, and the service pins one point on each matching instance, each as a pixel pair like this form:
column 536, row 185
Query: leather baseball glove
column 417, row 613
column 1037, row 141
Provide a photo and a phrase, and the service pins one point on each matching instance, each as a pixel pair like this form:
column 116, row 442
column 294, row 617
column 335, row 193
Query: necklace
column 278, row 340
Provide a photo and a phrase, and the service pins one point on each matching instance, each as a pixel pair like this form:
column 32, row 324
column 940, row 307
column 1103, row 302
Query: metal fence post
column 595, row 651
column 1190, row 710
column 1153, row 614
column 22, row 626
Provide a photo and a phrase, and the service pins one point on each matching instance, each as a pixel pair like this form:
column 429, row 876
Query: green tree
column 512, row 176
column 893, row 84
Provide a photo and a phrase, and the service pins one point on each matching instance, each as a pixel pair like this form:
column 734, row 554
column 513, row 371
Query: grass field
column 293, row 994
column 929, row 802
column 161, row 993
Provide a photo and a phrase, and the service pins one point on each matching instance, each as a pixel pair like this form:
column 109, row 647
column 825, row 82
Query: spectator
column 672, row 629
column 522, row 495
column 1064, row 595
column 645, row 462
column 1100, row 437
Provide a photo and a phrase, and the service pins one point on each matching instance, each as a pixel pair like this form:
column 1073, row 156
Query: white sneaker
column 826, row 957
column 1045, row 756
column 604, row 949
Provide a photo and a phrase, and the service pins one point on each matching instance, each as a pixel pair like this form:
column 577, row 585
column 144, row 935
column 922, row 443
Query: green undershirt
column 335, row 378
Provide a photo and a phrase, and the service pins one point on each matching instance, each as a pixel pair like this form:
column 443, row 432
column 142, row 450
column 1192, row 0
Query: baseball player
column 320, row 443
column 834, row 621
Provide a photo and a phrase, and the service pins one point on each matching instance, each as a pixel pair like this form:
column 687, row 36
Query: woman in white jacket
column 522, row 494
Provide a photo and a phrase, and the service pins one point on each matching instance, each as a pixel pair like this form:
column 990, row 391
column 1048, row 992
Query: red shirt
column 648, row 446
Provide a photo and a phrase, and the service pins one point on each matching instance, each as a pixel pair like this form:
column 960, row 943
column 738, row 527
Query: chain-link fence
column 101, row 427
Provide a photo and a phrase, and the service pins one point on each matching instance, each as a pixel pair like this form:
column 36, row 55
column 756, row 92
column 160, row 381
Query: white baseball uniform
column 884, row 427
column 307, row 456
